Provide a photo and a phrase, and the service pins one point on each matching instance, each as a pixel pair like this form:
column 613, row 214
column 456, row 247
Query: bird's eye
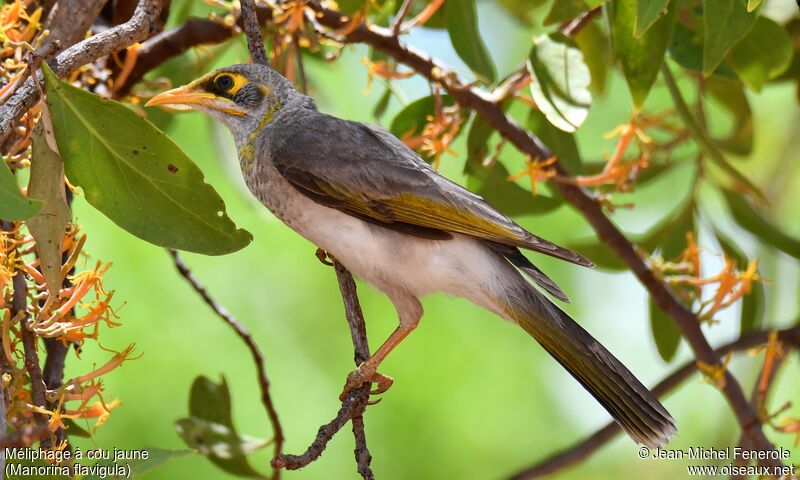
column 224, row 82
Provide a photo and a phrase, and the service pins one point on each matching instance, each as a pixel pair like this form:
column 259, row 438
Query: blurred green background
column 474, row 397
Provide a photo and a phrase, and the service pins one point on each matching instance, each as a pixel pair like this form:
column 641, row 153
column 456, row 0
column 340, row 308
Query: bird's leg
column 409, row 311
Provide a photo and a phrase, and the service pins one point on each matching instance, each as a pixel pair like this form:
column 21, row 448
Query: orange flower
column 537, row 170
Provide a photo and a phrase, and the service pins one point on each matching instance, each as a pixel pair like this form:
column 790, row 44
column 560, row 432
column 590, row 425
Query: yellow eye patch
column 229, row 83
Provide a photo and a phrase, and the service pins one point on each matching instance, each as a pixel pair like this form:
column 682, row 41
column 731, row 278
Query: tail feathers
column 513, row 255
column 631, row 404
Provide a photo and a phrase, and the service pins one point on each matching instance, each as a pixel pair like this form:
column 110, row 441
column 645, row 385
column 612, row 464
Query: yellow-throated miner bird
column 360, row 194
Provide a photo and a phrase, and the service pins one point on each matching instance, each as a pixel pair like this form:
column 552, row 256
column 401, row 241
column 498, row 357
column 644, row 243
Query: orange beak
column 184, row 98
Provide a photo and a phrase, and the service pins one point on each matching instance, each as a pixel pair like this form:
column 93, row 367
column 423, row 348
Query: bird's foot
column 366, row 373
column 322, row 256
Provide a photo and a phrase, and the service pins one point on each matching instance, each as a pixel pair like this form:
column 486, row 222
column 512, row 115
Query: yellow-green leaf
column 462, row 25
column 13, row 204
column 560, row 81
column 763, row 54
column 726, row 22
column 757, row 223
column 640, row 58
column 647, row 12
column 596, row 49
column 135, row 175
column 47, row 184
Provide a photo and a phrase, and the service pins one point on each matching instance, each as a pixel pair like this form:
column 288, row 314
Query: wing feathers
column 374, row 175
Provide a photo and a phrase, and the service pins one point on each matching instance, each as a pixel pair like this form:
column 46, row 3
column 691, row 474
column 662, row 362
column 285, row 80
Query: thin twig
column 701, row 137
column 397, row 25
column 356, row 400
column 252, row 30
column 594, row 442
column 576, row 25
column 247, row 338
column 358, row 333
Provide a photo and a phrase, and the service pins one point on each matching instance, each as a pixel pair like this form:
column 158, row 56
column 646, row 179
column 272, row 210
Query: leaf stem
column 701, row 136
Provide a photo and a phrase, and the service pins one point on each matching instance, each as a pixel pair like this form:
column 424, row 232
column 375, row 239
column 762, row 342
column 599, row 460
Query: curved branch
column 355, row 402
column 590, row 445
column 247, row 338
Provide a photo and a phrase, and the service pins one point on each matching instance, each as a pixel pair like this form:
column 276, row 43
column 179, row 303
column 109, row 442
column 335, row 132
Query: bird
column 360, row 194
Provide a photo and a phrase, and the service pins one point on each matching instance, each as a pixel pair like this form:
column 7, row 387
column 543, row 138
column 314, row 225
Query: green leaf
column 383, row 102
column 753, row 4
column 521, row 10
column 686, row 48
column 596, row 49
column 13, row 204
column 135, row 175
column 647, row 12
column 640, row 58
column 562, row 144
column 477, row 142
column 666, row 334
column 757, row 223
column 560, row 81
column 726, row 22
column 47, row 184
column 413, row 117
column 211, row 401
column 210, row 428
column 730, row 95
column 752, row 311
column 462, row 25
column 222, row 445
column 564, row 10
column 763, row 54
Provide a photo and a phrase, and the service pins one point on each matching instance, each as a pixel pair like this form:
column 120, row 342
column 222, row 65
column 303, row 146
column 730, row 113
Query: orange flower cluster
column 54, row 318
column 732, row 283
column 621, row 172
column 438, row 133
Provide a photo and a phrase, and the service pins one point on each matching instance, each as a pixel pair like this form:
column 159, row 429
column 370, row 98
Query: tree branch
column 252, row 31
column 144, row 22
column 247, row 338
column 584, row 449
column 355, row 402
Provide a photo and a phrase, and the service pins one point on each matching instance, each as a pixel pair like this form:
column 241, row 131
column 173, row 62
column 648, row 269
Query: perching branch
column 247, row 338
column 145, row 22
column 356, row 400
column 584, row 449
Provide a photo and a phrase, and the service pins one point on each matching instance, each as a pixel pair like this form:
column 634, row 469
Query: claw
column 366, row 374
column 322, row 255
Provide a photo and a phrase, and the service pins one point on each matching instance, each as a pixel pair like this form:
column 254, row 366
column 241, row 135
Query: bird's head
column 240, row 96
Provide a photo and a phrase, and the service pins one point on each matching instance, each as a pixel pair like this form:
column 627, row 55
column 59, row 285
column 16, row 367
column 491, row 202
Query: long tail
column 630, row 403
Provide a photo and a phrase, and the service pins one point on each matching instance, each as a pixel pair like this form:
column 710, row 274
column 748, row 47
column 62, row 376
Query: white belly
column 389, row 260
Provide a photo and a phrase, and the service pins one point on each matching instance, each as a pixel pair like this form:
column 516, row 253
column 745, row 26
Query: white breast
column 385, row 258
